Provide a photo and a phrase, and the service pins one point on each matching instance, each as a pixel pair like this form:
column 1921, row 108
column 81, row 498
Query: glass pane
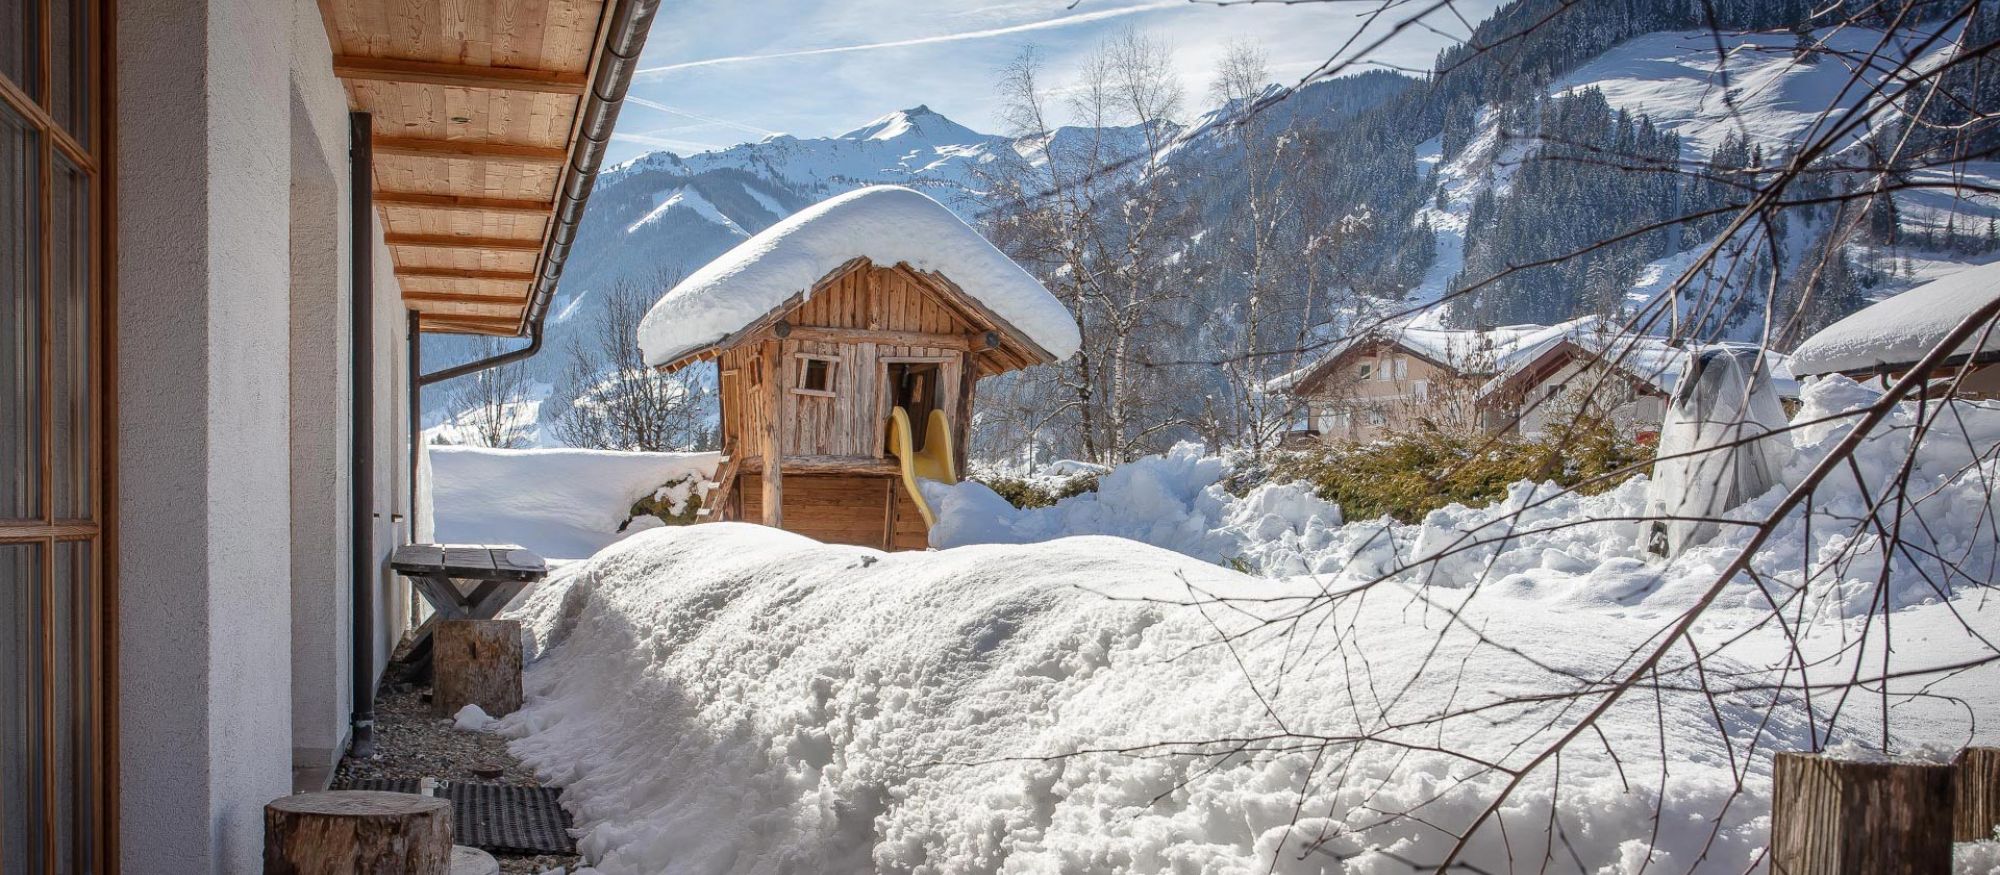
column 20, row 707
column 20, row 56
column 75, row 609
column 69, row 65
column 20, row 319
column 70, row 316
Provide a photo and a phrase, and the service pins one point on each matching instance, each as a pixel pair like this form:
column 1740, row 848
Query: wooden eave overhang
column 477, row 112
column 1013, row 350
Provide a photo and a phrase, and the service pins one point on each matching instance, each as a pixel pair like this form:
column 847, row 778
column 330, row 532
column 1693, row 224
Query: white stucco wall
column 204, row 557
column 322, row 339
column 232, row 523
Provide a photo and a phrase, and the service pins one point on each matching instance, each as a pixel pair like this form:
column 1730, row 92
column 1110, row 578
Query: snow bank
column 1175, row 501
column 563, row 504
column 888, row 225
column 1900, row 330
column 733, row 699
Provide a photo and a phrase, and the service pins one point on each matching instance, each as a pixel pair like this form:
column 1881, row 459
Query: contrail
column 1084, row 18
column 674, row 110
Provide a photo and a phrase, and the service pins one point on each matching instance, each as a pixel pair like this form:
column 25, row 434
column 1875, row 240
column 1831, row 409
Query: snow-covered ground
column 733, row 699
column 560, row 503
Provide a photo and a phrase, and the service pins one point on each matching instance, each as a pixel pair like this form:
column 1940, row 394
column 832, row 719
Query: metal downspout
column 361, row 470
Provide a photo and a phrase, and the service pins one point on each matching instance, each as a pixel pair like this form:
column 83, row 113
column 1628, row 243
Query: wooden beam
column 458, row 75
column 774, row 474
column 480, row 319
column 464, row 203
column 464, row 298
column 470, row 150
column 465, row 273
column 452, row 241
column 820, row 334
column 869, row 466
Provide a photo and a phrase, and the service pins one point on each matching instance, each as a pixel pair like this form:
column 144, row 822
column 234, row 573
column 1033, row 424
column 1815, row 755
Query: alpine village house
column 224, row 226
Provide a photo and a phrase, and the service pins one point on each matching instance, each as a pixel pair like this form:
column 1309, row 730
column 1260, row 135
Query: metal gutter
column 618, row 60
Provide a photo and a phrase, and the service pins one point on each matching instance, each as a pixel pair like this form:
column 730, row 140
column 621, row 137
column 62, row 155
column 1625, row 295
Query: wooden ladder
column 724, row 485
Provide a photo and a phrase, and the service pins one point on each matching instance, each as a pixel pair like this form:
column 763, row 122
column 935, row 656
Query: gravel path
column 410, row 743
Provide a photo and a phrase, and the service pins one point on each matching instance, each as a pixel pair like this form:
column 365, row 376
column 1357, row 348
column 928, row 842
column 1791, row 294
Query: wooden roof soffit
column 467, row 184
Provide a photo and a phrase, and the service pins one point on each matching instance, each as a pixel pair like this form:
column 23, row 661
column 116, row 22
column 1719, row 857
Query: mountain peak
column 919, row 121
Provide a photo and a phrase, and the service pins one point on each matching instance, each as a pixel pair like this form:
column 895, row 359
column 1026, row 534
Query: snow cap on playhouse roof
column 1895, row 333
column 888, row 225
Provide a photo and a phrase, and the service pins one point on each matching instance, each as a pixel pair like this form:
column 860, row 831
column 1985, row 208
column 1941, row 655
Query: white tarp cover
column 1721, row 445
column 887, row 224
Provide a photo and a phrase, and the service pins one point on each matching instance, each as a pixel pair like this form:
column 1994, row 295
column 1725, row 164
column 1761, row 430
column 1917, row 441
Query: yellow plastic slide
column 933, row 462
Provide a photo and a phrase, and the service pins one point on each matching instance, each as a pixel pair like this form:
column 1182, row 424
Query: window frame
column 50, row 104
column 802, row 366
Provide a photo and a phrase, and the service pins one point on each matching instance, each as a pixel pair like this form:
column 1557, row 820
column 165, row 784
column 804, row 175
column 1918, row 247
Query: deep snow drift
column 563, row 504
column 732, row 699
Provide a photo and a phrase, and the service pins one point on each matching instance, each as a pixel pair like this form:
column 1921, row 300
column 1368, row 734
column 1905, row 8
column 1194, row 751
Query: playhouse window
column 816, row 374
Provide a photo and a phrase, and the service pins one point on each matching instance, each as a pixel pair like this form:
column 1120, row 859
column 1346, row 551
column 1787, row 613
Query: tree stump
column 472, row 861
column 1976, row 791
column 1835, row 817
column 476, row 662
column 357, row 832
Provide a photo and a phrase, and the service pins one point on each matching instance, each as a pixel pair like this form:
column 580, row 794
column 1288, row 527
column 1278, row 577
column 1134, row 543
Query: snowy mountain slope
column 1757, row 87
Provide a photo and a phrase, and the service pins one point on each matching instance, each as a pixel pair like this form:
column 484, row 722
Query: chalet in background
column 1519, row 378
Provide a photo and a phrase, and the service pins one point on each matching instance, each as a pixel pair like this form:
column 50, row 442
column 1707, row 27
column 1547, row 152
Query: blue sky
column 720, row 72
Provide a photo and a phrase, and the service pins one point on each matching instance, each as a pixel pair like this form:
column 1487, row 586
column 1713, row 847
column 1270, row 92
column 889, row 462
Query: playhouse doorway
column 914, row 386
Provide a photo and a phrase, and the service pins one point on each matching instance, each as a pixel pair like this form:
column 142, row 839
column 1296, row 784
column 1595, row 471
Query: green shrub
column 1022, row 492
column 1411, row 475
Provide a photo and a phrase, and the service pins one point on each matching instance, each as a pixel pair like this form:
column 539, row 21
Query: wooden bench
column 495, row 573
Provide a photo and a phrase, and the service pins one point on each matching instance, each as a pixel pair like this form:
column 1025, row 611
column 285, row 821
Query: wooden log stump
column 476, row 662
column 1836, row 817
column 349, row 832
column 1976, row 793
column 472, row 861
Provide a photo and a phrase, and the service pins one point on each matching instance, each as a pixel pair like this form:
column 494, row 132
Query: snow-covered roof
column 1644, row 357
column 1898, row 331
column 886, row 224
column 1473, row 351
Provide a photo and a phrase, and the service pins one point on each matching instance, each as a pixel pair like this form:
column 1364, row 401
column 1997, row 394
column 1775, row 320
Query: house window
column 1402, row 369
column 1367, row 370
column 1388, row 369
column 816, row 375
column 53, row 232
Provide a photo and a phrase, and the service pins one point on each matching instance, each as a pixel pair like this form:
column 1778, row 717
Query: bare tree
column 491, row 405
column 607, row 398
column 1099, row 228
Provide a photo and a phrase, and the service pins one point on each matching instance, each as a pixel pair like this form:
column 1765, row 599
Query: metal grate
column 501, row 818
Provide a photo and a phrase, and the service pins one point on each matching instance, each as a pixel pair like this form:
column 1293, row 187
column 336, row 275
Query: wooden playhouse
column 849, row 340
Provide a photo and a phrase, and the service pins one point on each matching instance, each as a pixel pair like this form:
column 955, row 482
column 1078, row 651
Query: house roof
column 887, row 225
column 1648, row 360
column 1468, row 351
column 484, row 127
column 1896, row 332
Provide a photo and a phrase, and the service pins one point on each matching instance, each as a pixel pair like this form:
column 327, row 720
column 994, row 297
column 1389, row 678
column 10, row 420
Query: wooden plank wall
column 837, row 509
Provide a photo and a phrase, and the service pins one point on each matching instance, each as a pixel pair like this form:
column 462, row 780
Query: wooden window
column 816, row 374
column 1366, row 370
column 55, row 693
